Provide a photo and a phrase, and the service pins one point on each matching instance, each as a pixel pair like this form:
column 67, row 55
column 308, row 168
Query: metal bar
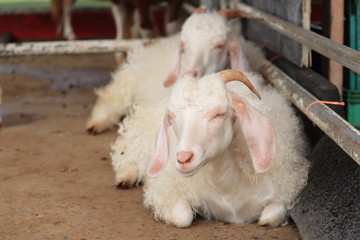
column 346, row 56
column 70, row 47
column 339, row 130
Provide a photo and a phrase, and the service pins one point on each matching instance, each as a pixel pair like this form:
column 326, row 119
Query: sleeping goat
column 226, row 155
column 206, row 39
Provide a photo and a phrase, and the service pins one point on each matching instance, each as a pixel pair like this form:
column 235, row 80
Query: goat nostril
column 184, row 157
column 195, row 74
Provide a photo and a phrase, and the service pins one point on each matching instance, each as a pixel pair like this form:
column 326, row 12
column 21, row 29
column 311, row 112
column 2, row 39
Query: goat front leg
column 273, row 215
column 67, row 30
column 179, row 214
column 118, row 12
column 114, row 102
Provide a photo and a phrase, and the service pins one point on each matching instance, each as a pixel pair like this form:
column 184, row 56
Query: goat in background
column 122, row 11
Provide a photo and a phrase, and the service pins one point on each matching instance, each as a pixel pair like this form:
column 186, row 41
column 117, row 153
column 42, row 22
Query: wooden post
column 336, row 35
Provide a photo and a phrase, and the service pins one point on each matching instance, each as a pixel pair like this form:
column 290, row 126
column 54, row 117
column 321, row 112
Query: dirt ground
column 57, row 181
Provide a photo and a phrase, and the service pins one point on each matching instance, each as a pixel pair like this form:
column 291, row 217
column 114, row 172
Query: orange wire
column 325, row 102
column 263, row 71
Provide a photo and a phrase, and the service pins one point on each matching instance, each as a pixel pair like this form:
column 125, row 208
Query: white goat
column 211, row 43
column 223, row 157
column 207, row 49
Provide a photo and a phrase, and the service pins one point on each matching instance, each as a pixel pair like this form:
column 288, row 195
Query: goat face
column 201, row 117
column 202, row 120
column 202, row 114
column 205, row 42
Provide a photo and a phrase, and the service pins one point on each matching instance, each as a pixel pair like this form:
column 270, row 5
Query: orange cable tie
column 325, row 102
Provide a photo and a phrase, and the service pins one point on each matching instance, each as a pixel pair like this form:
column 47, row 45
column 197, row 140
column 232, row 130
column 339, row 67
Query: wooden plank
column 294, row 11
column 336, row 35
column 70, row 47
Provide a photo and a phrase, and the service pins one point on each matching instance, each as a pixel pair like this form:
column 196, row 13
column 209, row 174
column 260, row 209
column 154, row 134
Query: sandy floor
column 57, row 181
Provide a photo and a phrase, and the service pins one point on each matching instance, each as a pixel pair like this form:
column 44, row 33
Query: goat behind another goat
column 128, row 83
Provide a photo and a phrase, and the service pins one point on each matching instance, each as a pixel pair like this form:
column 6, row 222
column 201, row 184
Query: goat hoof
column 96, row 127
column 91, row 130
column 124, row 185
column 182, row 214
column 273, row 215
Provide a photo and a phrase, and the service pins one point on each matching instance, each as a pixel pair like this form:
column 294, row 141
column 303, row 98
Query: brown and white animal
column 206, row 41
column 123, row 11
column 225, row 154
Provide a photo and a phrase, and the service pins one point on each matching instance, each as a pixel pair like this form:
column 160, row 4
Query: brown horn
column 233, row 75
column 236, row 13
column 200, row 10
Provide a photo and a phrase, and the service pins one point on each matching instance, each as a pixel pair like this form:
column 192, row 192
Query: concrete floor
column 57, row 181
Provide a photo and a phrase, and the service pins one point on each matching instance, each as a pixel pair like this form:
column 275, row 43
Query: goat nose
column 185, row 157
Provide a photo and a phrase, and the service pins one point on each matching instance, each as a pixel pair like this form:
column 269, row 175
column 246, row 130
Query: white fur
column 138, row 81
column 226, row 187
column 141, row 80
column 135, row 134
column 134, row 146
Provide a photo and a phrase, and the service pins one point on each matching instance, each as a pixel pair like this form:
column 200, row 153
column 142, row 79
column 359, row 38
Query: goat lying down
column 206, row 49
column 136, row 82
column 220, row 153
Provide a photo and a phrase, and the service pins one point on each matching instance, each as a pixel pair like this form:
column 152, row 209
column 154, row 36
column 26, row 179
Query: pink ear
column 175, row 67
column 258, row 132
column 160, row 154
column 238, row 59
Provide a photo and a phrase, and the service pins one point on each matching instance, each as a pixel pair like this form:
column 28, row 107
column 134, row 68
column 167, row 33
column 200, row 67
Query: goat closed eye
column 220, row 115
column 170, row 119
column 219, row 45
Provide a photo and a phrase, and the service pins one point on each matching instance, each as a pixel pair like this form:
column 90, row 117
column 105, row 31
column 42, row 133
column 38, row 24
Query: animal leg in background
column 61, row 13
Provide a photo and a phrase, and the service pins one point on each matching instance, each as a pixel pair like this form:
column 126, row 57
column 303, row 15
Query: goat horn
column 233, row 75
column 235, row 13
column 200, row 10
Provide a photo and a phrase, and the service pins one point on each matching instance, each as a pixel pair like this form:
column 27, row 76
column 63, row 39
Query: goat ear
column 238, row 59
column 199, row 10
column 258, row 132
column 160, row 153
column 175, row 66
